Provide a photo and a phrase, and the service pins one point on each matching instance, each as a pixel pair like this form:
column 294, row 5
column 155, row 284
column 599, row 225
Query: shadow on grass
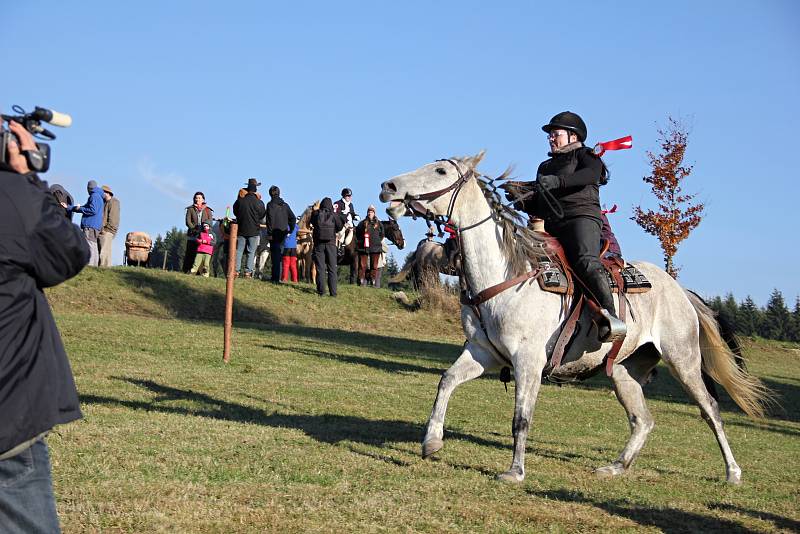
column 375, row 363
column 190, row 302
column 666, row 388
column 666, row 519
column 325, row 428
column 779, row 521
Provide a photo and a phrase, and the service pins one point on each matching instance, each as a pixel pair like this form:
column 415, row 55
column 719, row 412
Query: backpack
column 326, row 226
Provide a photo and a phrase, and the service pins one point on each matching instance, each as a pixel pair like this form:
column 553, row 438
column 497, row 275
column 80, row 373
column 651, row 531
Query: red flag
column 617, row 144
column 612, row 210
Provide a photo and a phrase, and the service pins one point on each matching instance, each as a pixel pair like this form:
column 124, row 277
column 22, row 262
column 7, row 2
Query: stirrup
column 614, row 330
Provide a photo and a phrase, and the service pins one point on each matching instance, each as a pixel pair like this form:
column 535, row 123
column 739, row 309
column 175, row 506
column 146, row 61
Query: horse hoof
column 431, row 447
column 609, row 471
column 512, row 476
column 735, row 477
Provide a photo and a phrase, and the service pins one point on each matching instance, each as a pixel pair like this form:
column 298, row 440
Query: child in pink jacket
column 205, row 248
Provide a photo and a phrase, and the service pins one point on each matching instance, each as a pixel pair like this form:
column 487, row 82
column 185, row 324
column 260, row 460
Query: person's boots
column 611, row 328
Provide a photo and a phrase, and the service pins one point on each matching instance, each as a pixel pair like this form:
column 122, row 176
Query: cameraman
column 39, row 248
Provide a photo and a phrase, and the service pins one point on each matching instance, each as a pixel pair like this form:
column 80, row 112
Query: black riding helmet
column 346, row 192
column 567, row 120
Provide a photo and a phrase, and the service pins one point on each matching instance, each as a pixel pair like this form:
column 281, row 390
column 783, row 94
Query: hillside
column 316, row 423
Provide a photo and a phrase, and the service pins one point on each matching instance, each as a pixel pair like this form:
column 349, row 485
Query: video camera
column 38, row 160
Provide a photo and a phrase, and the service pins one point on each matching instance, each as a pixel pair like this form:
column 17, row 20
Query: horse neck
column 485, row 263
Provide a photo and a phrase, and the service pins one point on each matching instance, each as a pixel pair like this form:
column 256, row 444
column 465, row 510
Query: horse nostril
column 389, row 186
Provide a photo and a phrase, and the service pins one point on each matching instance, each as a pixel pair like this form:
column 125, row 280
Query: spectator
column 280, row 221
column 369, row 239
column 205, row 248
column 326, row 225
column 290, row 256
column 64, row 198
column 196, row 214
column 110, row 226
column 92, row 219
column 39, row 248
column 249, row 211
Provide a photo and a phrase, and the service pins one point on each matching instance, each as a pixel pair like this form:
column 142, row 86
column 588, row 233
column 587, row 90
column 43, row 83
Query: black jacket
column 338, row 220
column 375, row 232
column 580, row 173
column 280, row 218
column 249, row 211
column 39, row 248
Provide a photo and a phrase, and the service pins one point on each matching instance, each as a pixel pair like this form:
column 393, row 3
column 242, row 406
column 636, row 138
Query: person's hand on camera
column 549, row 181
column 16, row 159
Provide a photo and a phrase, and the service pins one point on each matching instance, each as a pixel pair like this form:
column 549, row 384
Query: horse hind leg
column 691, row 379
column 628, row 377
column 472, row 363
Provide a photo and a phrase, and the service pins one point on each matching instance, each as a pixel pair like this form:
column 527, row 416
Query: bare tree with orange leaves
column 676, row 216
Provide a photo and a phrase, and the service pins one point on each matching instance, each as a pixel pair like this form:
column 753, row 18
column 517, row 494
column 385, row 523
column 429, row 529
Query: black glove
column 548, row 181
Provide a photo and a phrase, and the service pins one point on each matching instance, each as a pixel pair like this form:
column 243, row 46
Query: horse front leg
column 528, row 380
column 473, row 362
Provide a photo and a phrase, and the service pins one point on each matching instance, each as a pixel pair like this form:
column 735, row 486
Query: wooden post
column 226, row 355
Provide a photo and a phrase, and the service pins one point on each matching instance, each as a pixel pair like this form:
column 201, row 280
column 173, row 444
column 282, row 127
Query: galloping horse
column 518, row 327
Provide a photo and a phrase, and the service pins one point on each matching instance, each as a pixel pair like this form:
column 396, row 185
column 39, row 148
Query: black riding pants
column 325, row 260
column 580, row 237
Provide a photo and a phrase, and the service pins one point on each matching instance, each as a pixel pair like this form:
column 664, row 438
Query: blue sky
column 172, row 97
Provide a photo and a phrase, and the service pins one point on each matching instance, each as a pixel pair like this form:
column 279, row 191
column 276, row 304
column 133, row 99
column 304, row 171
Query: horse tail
column 406, row 270
column 720, row 363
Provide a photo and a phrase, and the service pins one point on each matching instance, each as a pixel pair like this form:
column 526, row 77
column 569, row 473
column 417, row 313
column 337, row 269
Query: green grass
column 316, row 424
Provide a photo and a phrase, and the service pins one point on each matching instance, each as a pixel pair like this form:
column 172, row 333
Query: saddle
column 345, row 236
column 557, row 277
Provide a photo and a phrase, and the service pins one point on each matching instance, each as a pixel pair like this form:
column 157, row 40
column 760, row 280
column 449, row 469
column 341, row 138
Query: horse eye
column 441, row 170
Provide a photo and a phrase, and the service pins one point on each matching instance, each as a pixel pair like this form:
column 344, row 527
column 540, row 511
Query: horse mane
column 521, row 245
column 306, row 215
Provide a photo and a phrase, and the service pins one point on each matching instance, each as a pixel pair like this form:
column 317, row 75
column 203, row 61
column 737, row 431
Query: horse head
column 393, row 233
column 427, row 190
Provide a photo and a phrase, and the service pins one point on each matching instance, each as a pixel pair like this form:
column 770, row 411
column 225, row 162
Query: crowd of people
column 333, row 224
column 99, row 219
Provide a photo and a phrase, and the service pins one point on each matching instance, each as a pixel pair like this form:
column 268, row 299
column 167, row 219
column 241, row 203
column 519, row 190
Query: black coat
column 580, row 173
column 280, row 218
column 375, row 232
column 249, row 212
column 39, row 248
column 338, row 220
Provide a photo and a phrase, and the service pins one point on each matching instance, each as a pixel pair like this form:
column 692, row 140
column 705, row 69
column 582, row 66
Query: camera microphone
column 55, row 118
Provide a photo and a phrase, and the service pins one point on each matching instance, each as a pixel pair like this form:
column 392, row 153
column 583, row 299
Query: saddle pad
column 554, row 281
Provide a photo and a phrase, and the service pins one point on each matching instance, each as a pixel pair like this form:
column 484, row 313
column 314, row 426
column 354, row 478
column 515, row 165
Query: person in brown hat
column 110, row 226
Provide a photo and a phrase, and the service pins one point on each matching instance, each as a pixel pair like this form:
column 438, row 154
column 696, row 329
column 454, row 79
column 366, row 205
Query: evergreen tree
column 776, row 318
column 728, row 312
column 391, row 266
column 794, row 335
column 748, row 319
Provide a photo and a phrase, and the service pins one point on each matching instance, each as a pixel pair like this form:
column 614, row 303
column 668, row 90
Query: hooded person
column 326, row 223
column 280, row 222
column 92, row 219
column 249, row 211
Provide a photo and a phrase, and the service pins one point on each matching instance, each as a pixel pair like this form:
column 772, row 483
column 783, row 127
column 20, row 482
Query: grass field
column 315, row 425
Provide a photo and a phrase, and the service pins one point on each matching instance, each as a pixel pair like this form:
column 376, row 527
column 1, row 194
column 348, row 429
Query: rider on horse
column 573, row 175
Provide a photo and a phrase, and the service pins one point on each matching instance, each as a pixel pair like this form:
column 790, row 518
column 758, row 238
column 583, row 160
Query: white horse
column 519, row 326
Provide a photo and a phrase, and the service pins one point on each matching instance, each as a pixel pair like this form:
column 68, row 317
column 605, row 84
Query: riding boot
column 611, row 328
